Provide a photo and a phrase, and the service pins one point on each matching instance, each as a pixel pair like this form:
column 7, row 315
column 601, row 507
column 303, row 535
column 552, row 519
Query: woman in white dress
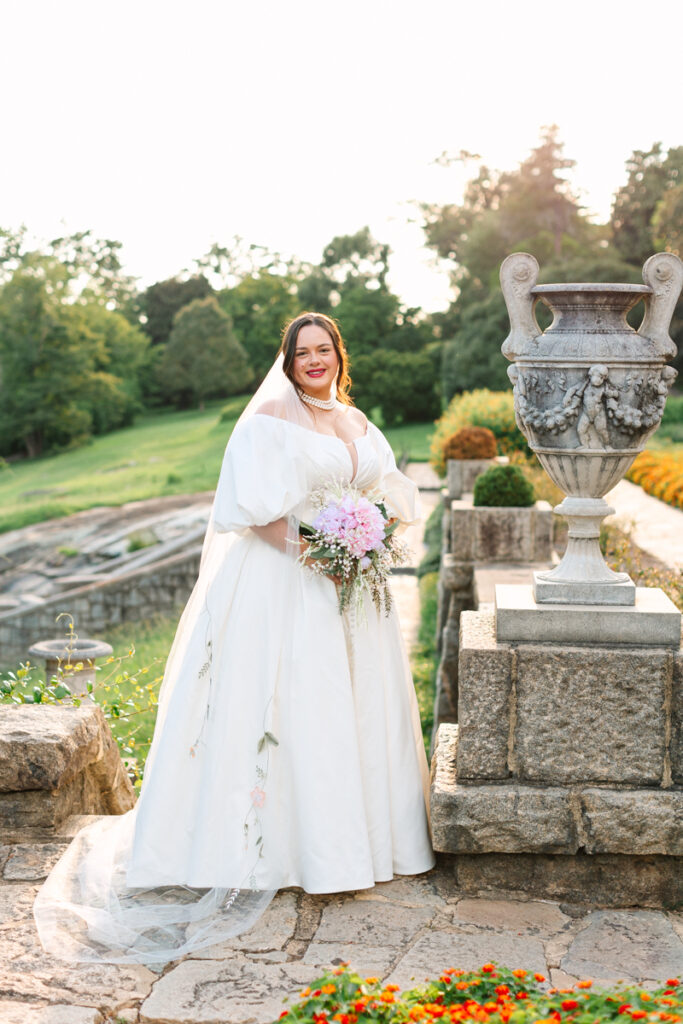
column 287, row 748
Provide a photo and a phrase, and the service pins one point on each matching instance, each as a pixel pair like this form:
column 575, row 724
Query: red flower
column 569, row 1004
column 624, row 1008
column 522, row 995
column 638, row 1014
column 673, row 981
column 487, row 968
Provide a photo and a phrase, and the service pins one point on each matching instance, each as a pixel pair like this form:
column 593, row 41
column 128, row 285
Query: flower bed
column 490, row 995
column 660, row 474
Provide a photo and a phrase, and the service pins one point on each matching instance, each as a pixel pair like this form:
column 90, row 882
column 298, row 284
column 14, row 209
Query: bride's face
column 315, row 361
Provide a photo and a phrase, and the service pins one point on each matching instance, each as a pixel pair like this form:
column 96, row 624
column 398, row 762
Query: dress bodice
column 272, row 466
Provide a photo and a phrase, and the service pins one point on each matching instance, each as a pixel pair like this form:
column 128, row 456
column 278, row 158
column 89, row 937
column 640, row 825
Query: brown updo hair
column 290, row 337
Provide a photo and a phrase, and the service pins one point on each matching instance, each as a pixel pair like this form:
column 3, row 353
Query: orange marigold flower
column 446, row 978
column 673, row 981
column 522, row 995
column 552, row 991
column 584, row 984
column 638, row 1014
column 328, row 989
column 519, row 973
column 371, row 981
column 391, row 988
column 565, row 991
column 569, row 1004
column 487, row 968
column 539, row 977
column 645, row 996
column 491, row 1007
column 388, row 997
column 462, row 985
column 417, row 1012
column 502, row 990
column 306, row 992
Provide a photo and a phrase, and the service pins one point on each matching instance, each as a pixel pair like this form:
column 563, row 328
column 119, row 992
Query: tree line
column 83, row 350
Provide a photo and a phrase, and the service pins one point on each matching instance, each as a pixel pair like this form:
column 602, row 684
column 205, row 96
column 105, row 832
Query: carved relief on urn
column 589, row 392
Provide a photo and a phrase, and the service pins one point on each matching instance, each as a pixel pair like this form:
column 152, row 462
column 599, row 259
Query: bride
column 287, row 748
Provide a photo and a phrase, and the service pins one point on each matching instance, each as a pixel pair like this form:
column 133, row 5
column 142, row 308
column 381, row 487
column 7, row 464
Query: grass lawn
column 165, row 453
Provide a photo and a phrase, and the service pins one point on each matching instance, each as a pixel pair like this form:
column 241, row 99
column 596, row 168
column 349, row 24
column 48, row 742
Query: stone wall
column 564, row 750
column 160, row 589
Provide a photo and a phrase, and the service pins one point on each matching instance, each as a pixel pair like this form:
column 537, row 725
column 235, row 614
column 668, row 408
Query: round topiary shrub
column 470, row 443
column 503, row 485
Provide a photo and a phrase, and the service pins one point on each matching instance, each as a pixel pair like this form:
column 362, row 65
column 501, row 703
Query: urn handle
column 663, row 273
column 518, row 275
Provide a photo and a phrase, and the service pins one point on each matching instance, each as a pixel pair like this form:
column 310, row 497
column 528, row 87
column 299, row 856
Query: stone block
column 612, row 879
column 224, row 990
column 454, row 574
column 484, row 694
column 58, row 761
column 501, row 534
column 461, row 474
column 633, row 821
column 631, row 946
column 676, row 745
column 396, row 925
column 31, row 863
column 590, row 715
column 653, row 620
column 507, row 818
column 467, row 951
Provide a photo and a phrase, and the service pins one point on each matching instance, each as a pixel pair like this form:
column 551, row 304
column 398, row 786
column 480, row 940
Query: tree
column 203, row 358
column 259, row 306
column 531, row 209
column 48, row 379
column 651, row 175
column 401, row 384
column 161, row 302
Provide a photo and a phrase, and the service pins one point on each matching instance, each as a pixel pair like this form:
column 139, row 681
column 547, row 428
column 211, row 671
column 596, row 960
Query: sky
column 170, row 126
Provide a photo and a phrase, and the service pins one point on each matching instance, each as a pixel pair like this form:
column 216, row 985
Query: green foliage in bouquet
column 503, row 485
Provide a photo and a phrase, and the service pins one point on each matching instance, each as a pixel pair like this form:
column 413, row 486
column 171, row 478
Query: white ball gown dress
column 287, row 750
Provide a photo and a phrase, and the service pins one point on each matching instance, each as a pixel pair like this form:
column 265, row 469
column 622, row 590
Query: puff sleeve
column 402, row 496
column 264, row 476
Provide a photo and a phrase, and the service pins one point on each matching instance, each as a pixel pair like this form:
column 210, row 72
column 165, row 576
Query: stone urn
column 589, row 392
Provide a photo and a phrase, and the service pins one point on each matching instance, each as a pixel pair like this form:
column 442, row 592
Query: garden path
column 655, row 527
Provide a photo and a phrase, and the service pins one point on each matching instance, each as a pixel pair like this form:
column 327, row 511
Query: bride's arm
column 276, row 534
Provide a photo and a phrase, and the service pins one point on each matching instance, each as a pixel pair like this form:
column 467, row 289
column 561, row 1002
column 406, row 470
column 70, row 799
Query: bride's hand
column 315, row 562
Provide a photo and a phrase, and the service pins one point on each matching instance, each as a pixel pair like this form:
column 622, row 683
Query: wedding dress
column 287, row 750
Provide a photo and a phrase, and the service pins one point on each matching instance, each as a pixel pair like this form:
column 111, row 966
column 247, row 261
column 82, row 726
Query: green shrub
column 482, row 408
column 673, row 410
column 401, row 384
column 503, row 485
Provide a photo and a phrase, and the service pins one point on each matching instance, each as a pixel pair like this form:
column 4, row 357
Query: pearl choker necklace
column 319, row 403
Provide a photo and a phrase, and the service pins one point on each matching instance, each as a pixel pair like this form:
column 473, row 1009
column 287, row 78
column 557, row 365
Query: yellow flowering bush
column 659, row 474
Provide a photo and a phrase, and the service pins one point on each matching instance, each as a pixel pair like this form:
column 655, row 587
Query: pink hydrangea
column 357, row 526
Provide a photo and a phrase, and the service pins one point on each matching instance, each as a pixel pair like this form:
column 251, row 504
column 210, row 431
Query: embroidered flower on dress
column 258, row 796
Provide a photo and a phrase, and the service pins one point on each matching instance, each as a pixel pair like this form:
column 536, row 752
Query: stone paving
column 402, row 931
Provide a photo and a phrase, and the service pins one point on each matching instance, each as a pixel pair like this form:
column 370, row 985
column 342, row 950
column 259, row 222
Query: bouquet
column 352, row 539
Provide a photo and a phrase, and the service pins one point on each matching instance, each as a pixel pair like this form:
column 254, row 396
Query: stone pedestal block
column 461, row 474
column 497, row 534
column 565, row 752
column 55, row 762
column 566, row 714
column 653, row 620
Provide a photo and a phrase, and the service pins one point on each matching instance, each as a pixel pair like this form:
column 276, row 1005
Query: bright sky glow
column 172, row 125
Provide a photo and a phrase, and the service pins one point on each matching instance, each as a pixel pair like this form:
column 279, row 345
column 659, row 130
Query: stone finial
column 518, row 275
column 663, row 273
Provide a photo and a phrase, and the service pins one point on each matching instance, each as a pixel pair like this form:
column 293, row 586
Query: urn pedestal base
column 566, row 767
column 653, row 620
